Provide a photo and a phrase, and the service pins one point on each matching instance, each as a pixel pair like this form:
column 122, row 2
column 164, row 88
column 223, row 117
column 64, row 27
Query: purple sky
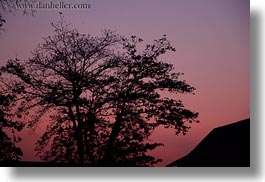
column 212, row 42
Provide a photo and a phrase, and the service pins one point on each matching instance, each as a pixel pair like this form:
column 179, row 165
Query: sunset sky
column 211, row 38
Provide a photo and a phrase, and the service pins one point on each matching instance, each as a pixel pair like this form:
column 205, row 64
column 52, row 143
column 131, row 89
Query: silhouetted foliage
column 10, row 6
column 8, row 150
column 103, row 95
column 63, row 146
column 2, row 21
column 138, row 105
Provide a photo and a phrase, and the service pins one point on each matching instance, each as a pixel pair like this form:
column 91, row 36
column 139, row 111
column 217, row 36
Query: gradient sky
column 212, row 42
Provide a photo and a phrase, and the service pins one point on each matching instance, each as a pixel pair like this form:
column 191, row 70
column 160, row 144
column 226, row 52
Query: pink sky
column 212, row 42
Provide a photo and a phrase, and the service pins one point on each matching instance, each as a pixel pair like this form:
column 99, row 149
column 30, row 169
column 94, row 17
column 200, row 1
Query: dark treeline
column 104, row 97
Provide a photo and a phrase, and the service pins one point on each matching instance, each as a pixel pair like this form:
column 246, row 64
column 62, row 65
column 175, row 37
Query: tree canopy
column 104, row 96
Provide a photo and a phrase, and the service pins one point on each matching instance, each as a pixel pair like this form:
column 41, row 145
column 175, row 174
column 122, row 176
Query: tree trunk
column 79, row 138
column 107, row 158
column 89, row 131
column 80, row 135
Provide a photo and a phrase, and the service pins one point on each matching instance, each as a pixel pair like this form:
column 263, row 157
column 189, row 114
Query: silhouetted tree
column 139, row 105
column 62, row 76
column 8, row 138
column 104, row 96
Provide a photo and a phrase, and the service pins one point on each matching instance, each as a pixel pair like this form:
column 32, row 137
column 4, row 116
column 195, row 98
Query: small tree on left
column 9, row 125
